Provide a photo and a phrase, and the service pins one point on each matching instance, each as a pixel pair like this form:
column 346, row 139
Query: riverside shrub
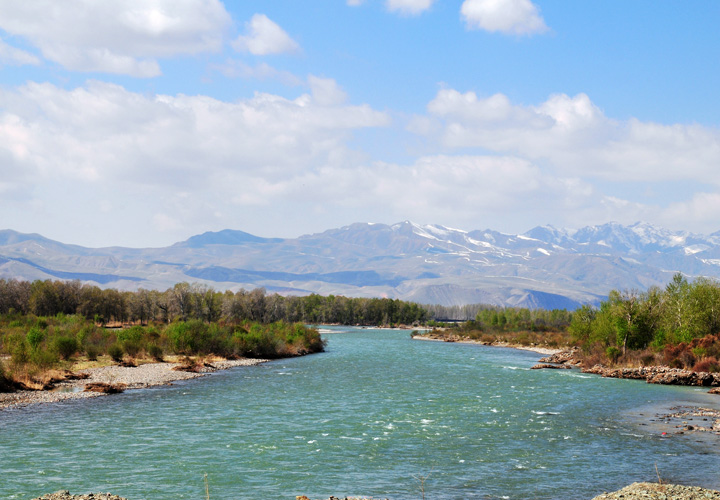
column 35, row 336
column 115, row 351
column 65, row 346
column 38, row 344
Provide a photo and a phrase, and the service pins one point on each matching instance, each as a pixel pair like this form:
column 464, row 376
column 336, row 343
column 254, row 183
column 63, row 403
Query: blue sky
column 143, row 122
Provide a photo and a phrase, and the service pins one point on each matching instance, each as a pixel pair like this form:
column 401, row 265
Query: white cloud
column 103, row 131
column 75, row 148
column 355, row 3
column 466, row 191
column 233, row 68
column 16, row 57
column 513, row 17
column 409, row 7
column 696, row 214
column 575, row 137
column 192, row 163
column 326, row 91
column 264, row 37
column 117, row 37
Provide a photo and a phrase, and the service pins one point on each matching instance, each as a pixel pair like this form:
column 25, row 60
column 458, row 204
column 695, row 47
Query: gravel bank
column 65, row 495
column 654, row 491
column 547, row 351
column 636, row 491
column 147, row 375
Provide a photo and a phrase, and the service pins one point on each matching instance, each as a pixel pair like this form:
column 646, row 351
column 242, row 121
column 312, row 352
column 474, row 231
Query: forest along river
column 372, row 416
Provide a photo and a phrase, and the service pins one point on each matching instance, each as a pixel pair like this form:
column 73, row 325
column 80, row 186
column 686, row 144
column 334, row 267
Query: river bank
column 636, row 491
column 122, row 377
column 547, row 351
column 659, row 374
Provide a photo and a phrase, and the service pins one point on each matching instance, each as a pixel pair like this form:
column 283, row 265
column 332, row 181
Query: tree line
column 679, row 324
column 186, row 301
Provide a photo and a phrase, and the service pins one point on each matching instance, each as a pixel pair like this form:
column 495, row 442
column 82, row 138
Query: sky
column 143, row 122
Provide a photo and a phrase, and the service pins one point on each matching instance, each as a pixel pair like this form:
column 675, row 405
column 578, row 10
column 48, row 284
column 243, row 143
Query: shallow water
column 371, row 416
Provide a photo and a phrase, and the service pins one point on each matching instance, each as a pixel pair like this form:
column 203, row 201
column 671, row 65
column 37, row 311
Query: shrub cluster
column 512, row 325
column 38, row 344
column 677, row 326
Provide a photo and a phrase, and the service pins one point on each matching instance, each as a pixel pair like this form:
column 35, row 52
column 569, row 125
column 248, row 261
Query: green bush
column 132, row 347
column 65, row 346
column 191, row 337
column 43, row 359
column 92, row 352
column 132, row 334
column 82, row 335
column 155, row 352
column 115, row 351
column 19, row 353
column 35, row 336
column 612, row 353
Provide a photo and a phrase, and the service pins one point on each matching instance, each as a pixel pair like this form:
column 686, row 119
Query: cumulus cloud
column 326, row 91
column 233, row 68
column 101, row 141
column 16, row 57
column 117, row 37
column 408, row 7
column 513, row 17
column 263, row 37
column 698, row 213
column 102, row 130
column 467, row 191
column 574, row 136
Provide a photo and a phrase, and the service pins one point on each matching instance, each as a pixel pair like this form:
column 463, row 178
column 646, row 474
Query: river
column 378, row 414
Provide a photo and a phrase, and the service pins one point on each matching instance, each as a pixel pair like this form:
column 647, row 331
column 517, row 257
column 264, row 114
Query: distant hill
column 544, row 267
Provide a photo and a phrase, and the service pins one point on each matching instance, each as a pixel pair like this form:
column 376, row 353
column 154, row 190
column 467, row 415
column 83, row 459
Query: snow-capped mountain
column 544, row 267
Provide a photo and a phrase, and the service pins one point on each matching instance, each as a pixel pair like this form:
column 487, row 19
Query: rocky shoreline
column 121, row 377
column 651, row 374
column 636, row 491
column 657, row 491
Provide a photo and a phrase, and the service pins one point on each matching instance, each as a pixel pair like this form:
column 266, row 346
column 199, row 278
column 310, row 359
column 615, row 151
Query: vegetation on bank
column 44, row 324
column 187, row 301
column 35, row 347
column 511, row 325
column 677, row 326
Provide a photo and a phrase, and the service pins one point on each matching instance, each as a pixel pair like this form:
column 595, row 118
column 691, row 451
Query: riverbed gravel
column 636, row 491
column 146, row 375
column 656, row 491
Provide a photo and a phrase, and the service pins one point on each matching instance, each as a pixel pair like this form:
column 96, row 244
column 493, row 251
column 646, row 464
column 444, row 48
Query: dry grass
column 194, row 365
column 104, row 388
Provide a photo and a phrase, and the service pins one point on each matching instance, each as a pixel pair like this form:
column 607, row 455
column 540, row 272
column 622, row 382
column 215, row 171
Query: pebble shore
column 636, row 491
column 547, row 351
column 146, row 375
column 655, row 491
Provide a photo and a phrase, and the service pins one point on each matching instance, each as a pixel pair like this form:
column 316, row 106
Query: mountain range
column 545, row 267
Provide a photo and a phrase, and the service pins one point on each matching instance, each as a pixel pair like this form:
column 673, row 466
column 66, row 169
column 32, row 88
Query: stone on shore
column 65, row 495
column 549, row 366
column 659, row 375
column 655, row 491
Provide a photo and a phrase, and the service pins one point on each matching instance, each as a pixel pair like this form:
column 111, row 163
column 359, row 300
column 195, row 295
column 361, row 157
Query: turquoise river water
column 372, row 416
